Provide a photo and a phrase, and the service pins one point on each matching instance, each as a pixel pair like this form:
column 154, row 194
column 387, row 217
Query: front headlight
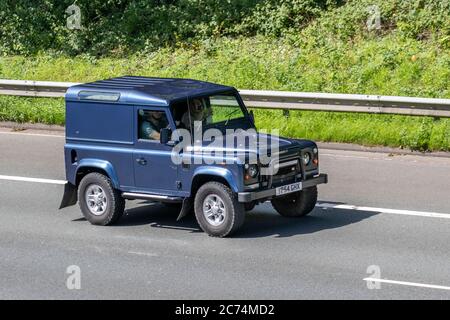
column 252, row 170
column 306, row 158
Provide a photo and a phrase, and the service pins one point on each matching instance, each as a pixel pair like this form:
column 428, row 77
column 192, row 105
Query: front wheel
column 217, row 209
column 100, row 203
column 298, row 204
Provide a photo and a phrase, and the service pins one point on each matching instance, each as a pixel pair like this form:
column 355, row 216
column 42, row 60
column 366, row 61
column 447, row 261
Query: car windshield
column 224, row 108
column 220, row 111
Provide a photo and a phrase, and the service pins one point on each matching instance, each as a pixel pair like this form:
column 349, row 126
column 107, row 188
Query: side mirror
column 164, row 135
column 252, row 116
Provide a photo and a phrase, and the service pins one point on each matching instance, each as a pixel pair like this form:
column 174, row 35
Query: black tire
column 298, row 204
column 249, row 206
column 115, row 204
column 234, row 211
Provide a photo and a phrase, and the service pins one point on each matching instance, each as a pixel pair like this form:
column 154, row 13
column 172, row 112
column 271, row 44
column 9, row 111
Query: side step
column 147, row 196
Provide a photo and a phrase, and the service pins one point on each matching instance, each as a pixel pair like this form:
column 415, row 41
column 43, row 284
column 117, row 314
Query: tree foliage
column 121, row 26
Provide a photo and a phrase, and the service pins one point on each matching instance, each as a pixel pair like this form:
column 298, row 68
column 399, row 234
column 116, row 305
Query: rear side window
column 99, row 96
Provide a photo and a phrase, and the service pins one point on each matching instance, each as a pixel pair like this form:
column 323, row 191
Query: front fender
column 233, row 178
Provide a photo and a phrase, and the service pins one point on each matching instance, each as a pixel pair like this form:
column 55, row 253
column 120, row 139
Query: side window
column 150, row 122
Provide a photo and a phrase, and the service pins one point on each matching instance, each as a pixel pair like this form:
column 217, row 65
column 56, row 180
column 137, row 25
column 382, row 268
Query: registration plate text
column 293, row 187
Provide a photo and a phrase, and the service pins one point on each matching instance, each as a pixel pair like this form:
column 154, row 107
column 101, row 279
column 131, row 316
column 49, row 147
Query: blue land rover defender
column 184, row 143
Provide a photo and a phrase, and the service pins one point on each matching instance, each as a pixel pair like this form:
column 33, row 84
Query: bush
column 118, row 27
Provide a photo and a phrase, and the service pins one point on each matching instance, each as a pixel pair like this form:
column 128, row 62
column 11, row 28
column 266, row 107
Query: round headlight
column 253, row 171
column 306, row 158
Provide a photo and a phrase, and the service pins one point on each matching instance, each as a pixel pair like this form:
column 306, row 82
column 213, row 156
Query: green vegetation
column 125, row 26
column 297, row 45
column 416, row 133
column 33, row 110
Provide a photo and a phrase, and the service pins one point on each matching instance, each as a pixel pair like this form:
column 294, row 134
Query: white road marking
column 33, row 134
column 373, row 156
column 38, row 180
column 343, row 156
column 148, row 254
column 384, row 210
column 405, row 283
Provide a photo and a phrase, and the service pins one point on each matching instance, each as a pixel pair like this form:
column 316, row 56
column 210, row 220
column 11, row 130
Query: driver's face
column 156, row 115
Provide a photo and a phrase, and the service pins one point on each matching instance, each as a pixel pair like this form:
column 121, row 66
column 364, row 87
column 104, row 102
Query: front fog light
column 252, row 171
column 306, row 158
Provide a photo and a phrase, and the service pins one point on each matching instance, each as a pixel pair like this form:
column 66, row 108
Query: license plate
column 289, row 188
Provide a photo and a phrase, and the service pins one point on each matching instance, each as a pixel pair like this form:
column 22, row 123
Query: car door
column 154, row 170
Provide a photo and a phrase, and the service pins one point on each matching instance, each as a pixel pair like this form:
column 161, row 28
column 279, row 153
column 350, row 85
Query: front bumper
column 249, row 196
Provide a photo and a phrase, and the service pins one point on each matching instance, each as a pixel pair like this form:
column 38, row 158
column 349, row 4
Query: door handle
column 141, row 161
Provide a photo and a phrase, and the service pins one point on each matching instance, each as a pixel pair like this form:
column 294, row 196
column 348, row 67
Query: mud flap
column 188, row 203
column 70, row 196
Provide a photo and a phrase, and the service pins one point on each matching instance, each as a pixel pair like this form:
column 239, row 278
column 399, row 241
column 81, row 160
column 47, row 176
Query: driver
column 150, row 127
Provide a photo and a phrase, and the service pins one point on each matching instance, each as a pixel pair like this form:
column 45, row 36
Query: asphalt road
column 148, row 255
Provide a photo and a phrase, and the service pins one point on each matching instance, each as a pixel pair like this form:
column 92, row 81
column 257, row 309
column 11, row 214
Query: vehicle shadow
column 262, row 221
column 157, row 216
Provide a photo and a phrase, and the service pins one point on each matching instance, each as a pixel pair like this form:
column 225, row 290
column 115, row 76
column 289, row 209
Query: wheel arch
column 206, row 174
column 201, row 179
column 87, row 166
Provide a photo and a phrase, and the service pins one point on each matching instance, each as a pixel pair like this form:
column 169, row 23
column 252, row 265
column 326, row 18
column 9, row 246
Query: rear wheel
column 298, row 204
column 217, row 209
column 99, row 202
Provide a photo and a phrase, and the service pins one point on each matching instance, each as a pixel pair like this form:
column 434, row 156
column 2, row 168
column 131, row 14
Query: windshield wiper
column 230, row 114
